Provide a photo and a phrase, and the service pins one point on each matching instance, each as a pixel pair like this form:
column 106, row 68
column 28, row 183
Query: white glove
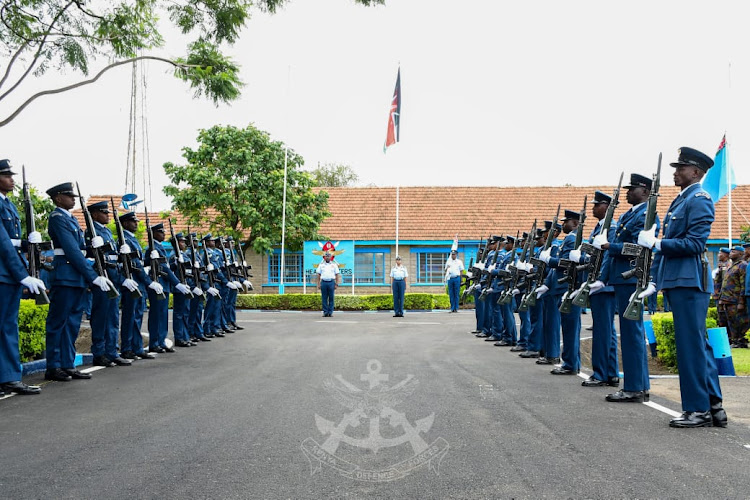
column 238, row 285
column 147, row 269
column 515, row 292
column 156, row 287
column 130, row 285
column 35, row 237
column 541, row 291
column 715, row 273
column 34, row 285
column 565, row 296
column 469, row 274
column 545, row 255
column 596, row 285
column 247, row 284
column 575, row 256
column 97, row 242
column 479, row 265
column 102, row 282
column 599, row 240
column 183, row 288
column 197, row 292
column 244, row 263
column 197, row 264
column 154, row 254
column 231, row 285
column 213, row 291
column 526, row 266
column 576, row 292
column 181, row 259
column 210, row 267
column 491, row 268
column 647, row 237
column 125, row 249
column 650, row 290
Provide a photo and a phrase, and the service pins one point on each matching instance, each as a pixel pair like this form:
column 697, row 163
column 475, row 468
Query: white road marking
column 92, row 369
column 663, row 409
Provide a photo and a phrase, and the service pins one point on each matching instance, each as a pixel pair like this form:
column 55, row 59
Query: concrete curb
column 40, row 365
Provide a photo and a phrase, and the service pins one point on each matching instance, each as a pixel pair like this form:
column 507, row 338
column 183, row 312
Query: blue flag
column 718, row 179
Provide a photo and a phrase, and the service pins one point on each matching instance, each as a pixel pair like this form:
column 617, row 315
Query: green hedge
column 384, row 302
column 32, row 337
column 664, row 332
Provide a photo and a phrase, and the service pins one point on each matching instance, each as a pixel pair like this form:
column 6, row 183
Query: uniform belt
column 398, row 279
column 60, row 251
column 112, row 257
column 329, row 280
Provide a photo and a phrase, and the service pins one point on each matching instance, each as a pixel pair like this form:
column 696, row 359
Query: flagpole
column 283, row 202
column 398, row 194
column 729, row 192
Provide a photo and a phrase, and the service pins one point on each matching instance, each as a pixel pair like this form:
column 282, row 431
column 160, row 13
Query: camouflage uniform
column 732, row 295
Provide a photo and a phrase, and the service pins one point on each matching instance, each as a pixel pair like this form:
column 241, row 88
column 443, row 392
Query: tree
column 42, row 204
column 234, row 182
column 37, row 35
column 334, row 175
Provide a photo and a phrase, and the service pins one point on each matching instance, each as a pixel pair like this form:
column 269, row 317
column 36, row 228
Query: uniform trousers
column 10, row 363
column 327, row 293
column 158, row 320
column 509, row 321
column 551, row 330
column 63, row 323
column 536, row 337
column 497, row 325
column 399, row 288
column 195, row 317
column 604, row 342
column 211, row 315
column 454, row 289
column 180, row 311
column 571, row 337
column 478, row 309
column 105, row 320
column 699, row 377
column 232, row 310
column 633, row 343
column 525, row 317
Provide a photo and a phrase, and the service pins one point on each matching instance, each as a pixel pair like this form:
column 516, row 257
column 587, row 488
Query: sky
column 494, row 93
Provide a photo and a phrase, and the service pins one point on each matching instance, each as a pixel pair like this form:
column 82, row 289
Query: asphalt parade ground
column 360, row 405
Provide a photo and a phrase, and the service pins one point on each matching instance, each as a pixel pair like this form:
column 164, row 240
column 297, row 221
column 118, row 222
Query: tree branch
column 89, row 81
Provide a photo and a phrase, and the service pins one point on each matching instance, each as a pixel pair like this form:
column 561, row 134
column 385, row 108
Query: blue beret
column 692, row 158
column 601, row 197
column 637, row 180
column 724, row 250
column 64, row 188
column 101, row 206
column 5, row 168
column 738, row 248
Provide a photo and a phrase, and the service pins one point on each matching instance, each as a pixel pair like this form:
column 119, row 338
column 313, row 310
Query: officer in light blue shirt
column 398, row 285
column 328, row 280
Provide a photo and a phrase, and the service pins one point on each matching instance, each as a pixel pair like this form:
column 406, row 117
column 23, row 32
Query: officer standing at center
column 398, row 286
column 328, row 280
column 454, row 268
column 13, row 277
column 680, row 272
column 73, row 274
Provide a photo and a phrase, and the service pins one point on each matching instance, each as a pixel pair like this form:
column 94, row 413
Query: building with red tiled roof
column 363, row 221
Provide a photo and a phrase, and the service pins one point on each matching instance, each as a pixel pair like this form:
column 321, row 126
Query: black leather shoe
column 209, row 335
column 182, row 343
column 158, row 350
column 482, row 335
column 146, row 355
column 128, row 355
column 169, row 349
column 492, row 338
column 475, row 331
column 238, row 327
column 2, row 394
column 517, row 348
column 529, row 354
column 628, row 397
column 594, row 382
column 613, row 382
column 219, row 334
column 543, row 361
column 57, row 374
column 76, row 374
column 102, row 361
column 193, row 343
column 122, row 362
column 718, row 415
column 563, row 371
column 504, row 343
column 204, row 339
column 692, row 419
column 227, row 330
column 20, row 388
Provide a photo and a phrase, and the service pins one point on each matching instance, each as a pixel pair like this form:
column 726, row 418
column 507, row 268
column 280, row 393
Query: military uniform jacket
column 167, row 279
column 112, row 256
column 686, row 229
column 559, row 252
column 139, row 274
column 71, row 269
column 733, row 283
column 499, row 264
column 190, row 272
column 595, row 232
column 217, row 259
column 487, row 264
column 629, row 226
column 12, row 263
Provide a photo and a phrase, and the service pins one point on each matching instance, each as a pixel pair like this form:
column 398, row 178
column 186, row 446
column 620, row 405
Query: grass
column 741, row 360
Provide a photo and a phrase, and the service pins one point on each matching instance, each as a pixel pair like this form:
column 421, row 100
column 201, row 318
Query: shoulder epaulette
column 702, row 194
column 54, row 214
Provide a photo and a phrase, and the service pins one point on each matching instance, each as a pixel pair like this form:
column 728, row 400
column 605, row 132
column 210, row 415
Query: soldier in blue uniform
column 554, row 320
column 523, row 316
column 682, row 275
column 632, row 333
column 212, row 312
column 236, row 276
column 604, row 363
column 131, row 342
column 484, row 307
column 73, row 274
column 195, row 314
column 550, row 303
column 535, row 348
column 228, row 288
column 180, row 301
column 509, row 335
column 105, row 311
column 158, row 311
column 13, row 278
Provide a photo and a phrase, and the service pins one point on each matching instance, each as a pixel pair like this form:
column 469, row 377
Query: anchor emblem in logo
column 376, row 406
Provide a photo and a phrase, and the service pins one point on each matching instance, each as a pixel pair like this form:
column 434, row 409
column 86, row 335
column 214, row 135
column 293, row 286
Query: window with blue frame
column 292, row 267
column 430, row 267
column 369, row 267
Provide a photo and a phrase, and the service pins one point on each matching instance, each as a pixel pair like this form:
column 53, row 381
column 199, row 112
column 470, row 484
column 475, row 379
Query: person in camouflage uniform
column 718, row 273
column 731, row 305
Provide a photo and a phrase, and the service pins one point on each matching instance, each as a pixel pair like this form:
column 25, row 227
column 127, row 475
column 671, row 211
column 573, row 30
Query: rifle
column 125, row 259
column 596, row 260
column 178, row 256
column 210, row 274
column 529, row 298
column 572, row 269
column 97, row 253
column 193, row 261
column 242, row 265
column 35, row 249
column 476, row 270
column 517, row 274
column 153, row 269
column 643, row 256
column 485, row 272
